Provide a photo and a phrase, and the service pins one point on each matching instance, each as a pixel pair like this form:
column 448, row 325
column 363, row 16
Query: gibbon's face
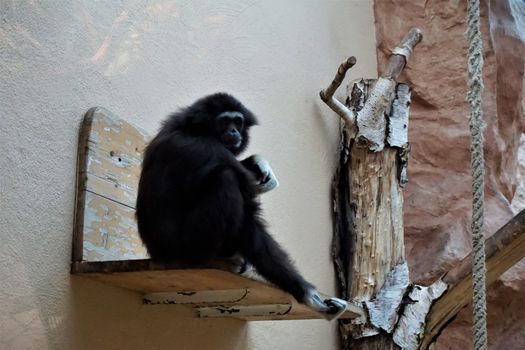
column 229, row 126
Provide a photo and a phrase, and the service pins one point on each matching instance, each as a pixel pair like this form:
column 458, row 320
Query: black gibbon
column 196, row 202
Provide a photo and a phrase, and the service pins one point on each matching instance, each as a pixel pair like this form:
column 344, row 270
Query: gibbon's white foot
column 330, row 308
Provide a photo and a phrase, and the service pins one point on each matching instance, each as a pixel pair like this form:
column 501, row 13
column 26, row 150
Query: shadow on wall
column 103, row 317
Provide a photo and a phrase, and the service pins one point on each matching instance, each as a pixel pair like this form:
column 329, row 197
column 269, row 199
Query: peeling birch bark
column 411, row 325
column 397, row 135
column 371, row 121
column 383, row 309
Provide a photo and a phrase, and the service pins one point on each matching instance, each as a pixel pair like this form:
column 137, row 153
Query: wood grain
column 109, row 159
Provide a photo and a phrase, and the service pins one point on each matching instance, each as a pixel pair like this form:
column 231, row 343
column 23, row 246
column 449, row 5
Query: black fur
column 197, row 202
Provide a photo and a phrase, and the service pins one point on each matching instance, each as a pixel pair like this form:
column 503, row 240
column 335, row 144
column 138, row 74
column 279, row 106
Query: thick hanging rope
column 475, row 65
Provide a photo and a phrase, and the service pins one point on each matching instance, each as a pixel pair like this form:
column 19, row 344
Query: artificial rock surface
column 438, row 196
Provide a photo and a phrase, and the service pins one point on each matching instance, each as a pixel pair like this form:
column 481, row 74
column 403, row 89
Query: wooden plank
column 255, row 297
column 113, row 155
column 264, row 312
column 184, row 279
column 195, row 297
column 243, row 312
column 109, row 160
column 146, row 276
column 78, row 226
column 110, row 231
column 503, row 250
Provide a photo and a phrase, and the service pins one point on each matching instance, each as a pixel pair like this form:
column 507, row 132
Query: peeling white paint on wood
column 243, row 312
column 196, row 297
column 111, row 155
column 114, row 157
column 110, row 231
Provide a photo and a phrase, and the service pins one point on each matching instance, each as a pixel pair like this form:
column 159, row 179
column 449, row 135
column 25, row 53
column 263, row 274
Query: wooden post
column 378, row 271
column 368, row 247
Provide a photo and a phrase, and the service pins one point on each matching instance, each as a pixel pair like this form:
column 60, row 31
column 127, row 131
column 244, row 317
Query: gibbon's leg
column 274, row 264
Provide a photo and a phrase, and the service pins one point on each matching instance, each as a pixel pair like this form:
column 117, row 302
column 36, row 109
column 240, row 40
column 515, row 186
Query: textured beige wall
column 142, row 59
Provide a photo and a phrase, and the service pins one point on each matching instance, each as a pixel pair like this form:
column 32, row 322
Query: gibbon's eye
column 238, row 122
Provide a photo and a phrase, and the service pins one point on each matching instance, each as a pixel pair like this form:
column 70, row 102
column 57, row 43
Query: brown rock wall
column 438, row 196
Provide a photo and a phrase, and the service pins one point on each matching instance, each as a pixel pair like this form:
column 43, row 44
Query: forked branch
column 328, row 97
column 383, row 91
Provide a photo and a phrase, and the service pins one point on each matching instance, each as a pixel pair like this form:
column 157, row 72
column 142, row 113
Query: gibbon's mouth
column 235, row 145
column 232, row 143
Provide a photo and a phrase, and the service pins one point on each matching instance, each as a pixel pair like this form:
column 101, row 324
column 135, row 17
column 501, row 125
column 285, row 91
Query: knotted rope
column 475, row 65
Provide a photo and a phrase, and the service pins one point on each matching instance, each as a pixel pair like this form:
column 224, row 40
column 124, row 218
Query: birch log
column 369, row 200
column 368, row 247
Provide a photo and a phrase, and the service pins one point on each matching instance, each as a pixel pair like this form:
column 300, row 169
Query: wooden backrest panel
column 108, row 169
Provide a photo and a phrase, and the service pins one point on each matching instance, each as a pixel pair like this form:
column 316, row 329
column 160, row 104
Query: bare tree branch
column 371, row 116
column 327, row 95
column 401, row 54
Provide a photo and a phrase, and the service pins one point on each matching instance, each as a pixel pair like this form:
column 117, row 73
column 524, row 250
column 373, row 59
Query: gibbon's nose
column 233, row 131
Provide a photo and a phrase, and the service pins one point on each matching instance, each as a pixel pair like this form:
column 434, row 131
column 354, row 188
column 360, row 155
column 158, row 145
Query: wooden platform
column 107, row 248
